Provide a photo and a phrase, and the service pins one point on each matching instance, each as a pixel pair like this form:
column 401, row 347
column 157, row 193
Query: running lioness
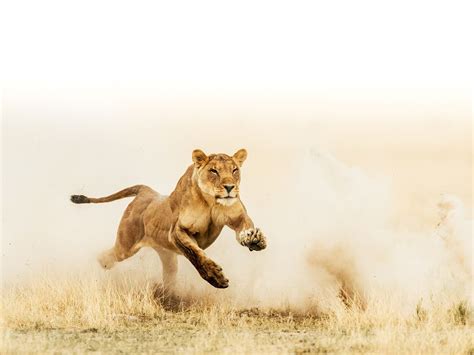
column 188, row 221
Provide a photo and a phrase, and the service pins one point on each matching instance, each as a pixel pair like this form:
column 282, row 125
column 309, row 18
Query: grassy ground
column 181, row 333
column 88, row 315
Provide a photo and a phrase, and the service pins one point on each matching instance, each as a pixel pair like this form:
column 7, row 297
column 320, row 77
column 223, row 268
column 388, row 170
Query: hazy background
column 324, row 170
column 357, row 118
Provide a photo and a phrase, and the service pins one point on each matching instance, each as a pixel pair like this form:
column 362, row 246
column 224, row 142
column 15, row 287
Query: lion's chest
column 205, row 226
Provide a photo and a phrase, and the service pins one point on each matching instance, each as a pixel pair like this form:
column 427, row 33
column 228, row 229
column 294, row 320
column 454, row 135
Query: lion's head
column 218, row 175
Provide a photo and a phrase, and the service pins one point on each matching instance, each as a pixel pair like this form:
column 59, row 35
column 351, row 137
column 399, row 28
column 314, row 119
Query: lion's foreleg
column 208, row 269
column 252, row 238
column 247, row 235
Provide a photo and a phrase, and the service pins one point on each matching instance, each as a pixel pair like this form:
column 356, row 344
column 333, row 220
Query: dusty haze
column 345, row 185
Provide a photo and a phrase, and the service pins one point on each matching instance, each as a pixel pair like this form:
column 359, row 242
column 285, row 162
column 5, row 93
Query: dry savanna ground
column 85, row 314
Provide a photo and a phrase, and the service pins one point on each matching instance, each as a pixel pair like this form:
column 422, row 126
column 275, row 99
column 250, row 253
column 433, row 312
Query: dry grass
column 98, row 314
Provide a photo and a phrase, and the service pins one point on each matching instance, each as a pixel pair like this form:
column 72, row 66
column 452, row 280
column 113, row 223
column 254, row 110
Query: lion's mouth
column 227, row 200
column 228, row 197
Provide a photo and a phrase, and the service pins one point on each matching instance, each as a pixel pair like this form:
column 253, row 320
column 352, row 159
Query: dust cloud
column 357, row 201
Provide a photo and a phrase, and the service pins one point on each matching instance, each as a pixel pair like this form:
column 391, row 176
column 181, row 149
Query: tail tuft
column 80, row 199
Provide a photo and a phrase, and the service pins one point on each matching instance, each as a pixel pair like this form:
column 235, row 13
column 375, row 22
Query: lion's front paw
column 253, row 239
column 212, row 273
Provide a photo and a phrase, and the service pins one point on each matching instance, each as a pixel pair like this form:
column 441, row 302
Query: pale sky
column 245, row 46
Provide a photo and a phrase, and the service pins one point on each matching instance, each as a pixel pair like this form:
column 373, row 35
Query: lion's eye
column 214, row 171
column 235, row 171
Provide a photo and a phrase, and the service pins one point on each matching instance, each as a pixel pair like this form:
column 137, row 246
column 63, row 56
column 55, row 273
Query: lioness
column 188, row 221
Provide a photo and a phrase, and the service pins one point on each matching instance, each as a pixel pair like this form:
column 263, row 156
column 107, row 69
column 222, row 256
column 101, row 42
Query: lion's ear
column 240, row 156
column 199, row 157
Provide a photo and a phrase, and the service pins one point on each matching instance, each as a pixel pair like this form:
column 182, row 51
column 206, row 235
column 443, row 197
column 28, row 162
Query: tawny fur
column 188, row 221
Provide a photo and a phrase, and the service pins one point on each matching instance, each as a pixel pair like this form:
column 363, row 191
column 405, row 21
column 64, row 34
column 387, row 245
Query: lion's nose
column 229, row 188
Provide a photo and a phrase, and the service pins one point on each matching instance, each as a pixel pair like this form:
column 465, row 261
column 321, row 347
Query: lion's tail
column 128, row 192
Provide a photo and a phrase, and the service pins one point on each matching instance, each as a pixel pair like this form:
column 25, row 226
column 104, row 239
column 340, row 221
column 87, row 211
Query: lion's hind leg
column 107, row 259
column 165, row 293
column 129, row 236
column 119, row 252
column 126, row 246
